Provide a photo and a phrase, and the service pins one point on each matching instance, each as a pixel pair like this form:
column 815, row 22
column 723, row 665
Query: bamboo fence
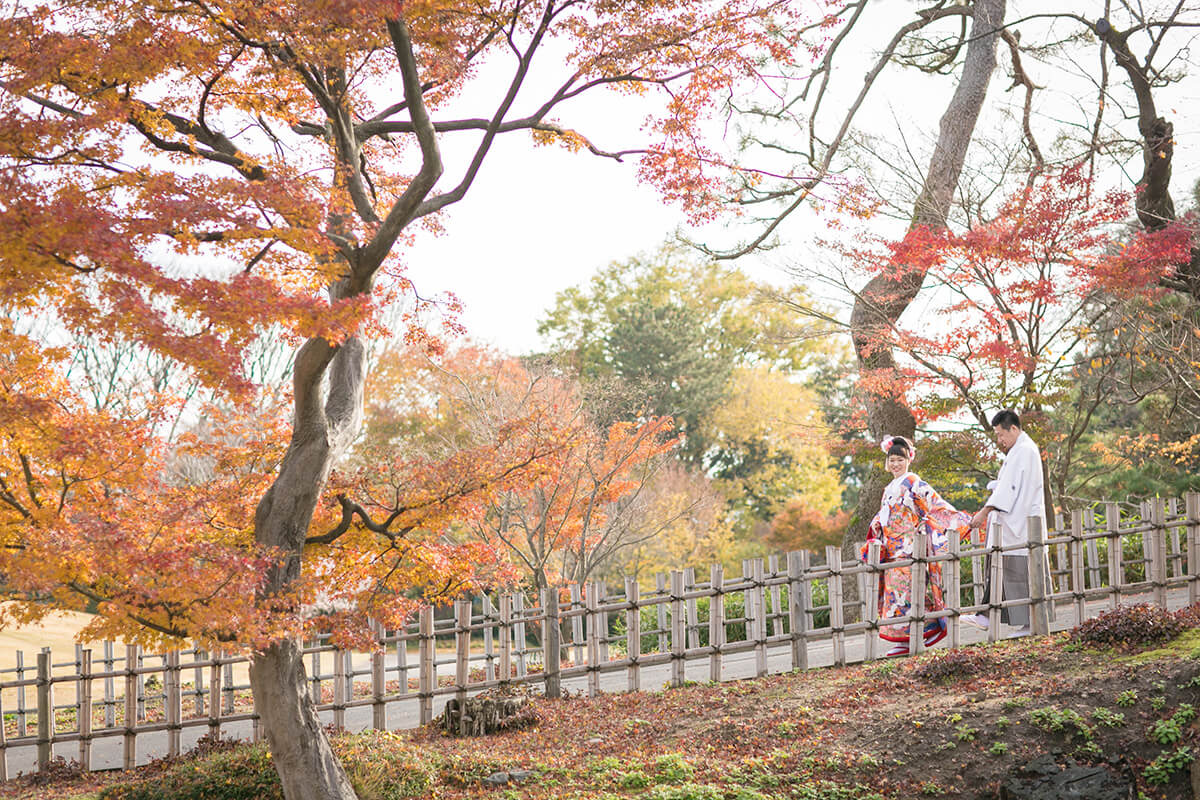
column 584, row 632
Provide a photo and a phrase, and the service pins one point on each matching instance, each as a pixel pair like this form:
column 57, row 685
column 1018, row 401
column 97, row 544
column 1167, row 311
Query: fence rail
column 586, row 631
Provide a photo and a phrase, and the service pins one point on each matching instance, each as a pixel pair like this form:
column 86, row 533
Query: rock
column 519, row 775
column 595, row 740
column 497, row 779
column 1050, row 778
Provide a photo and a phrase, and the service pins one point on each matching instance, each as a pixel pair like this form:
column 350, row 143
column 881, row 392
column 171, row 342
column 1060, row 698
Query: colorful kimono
column 910, row 505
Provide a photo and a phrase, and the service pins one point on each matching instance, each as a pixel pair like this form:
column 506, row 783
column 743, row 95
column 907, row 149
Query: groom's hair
column 1006, row 419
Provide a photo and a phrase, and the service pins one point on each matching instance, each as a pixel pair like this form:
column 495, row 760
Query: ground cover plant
column 950, row 723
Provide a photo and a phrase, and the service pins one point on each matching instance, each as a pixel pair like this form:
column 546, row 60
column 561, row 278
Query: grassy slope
column 947, row 724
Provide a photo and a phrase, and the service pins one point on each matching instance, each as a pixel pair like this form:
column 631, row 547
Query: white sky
column 541, row 219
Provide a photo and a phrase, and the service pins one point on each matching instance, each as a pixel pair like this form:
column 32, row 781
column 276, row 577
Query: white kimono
column 1017, row 495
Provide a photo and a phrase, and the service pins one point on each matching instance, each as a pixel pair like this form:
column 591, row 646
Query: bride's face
column 898, row 465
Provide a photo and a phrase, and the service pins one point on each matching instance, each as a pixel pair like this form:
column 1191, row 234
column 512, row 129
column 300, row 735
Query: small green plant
column 947, row 745
column 1166, row 731
column 1002, row 722
column 965, row 733
column 932, row 789
column 1063, row 720
column 1109, row 719
column 688, row 791
column 1089, row 749
column 1158, row 703
column 998, row 748
column 635, row 779
column 1194, row 683
column 1016, row 702
column 1160, row 770
column 954, row 719
column 672, row 768
column 1127, row 698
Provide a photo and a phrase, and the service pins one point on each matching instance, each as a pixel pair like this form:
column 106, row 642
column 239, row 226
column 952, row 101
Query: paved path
column 107, row 752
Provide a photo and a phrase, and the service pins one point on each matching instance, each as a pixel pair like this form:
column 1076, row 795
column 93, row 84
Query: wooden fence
column 795, row 601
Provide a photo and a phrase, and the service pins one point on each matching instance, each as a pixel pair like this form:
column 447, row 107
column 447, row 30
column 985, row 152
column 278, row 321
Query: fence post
column 691, row 609
column 919, row 575
column 110, row 694
column 953, row 575
column 1158, row 551
column 489, row 653
column 1116, row 569
column 339, row 690
column 3, row 744
column 660, row 585
column 378, row 686
column 315, row 672
column 462, row 650
column 519, row 633
column 84, row 714
column 426, row 668
column 551, row 645
column 173, row 713
column 678, row 644
column 214, row 695
column 591, row 592
column 633, row 634
column 578, row 640
column 871, row 608
column 1192, row 509
column 833, row 558
column 228, row 692
column 131, row 705
column 1077, row 583
column 45, row 707
column 760, row 617
column 1176, row 559
column 1039, row 614
column 797, row 619
column 806, row 600
column 775, row 616
column 602, row 617
column 505, row 634
column 22, row 723
column 716, row 620
column 996, row 595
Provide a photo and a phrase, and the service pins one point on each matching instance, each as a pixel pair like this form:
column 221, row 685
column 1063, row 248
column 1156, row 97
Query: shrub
column 242, row 773
column 952, row 665
column 382, row 766
column 1131, row 627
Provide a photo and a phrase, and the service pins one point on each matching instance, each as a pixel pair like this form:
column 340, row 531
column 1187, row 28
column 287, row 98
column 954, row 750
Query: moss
column 1185, row 645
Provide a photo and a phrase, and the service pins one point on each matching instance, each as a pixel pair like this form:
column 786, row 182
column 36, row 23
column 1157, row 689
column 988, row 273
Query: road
column 107, row 753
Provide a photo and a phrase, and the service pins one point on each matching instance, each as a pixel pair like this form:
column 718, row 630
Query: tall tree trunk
column 303, row 757
column 885, row 297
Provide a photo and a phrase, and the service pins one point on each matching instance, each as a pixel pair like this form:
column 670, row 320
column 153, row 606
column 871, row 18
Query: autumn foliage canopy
column 191, row 176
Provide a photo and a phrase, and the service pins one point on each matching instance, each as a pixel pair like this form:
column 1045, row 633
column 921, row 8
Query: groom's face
column 1007, row 437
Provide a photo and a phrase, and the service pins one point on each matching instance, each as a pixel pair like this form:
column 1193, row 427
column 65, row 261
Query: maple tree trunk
column 300, row 749
column 303, row 757
column 886, row 296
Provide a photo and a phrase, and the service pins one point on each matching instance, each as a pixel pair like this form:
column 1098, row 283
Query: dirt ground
column 951, row 724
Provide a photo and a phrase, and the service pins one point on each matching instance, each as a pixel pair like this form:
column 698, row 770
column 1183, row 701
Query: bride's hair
column 901, row 447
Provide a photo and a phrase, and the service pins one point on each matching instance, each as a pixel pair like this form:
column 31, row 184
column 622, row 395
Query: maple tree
column 189, row 176
column 1014, row 307
column 584, row 504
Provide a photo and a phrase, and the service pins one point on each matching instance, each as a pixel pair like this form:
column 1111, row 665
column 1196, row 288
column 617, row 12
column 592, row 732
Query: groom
column 1016, row 496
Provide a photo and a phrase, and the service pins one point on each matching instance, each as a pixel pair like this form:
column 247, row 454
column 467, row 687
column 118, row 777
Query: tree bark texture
column 886, row 296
